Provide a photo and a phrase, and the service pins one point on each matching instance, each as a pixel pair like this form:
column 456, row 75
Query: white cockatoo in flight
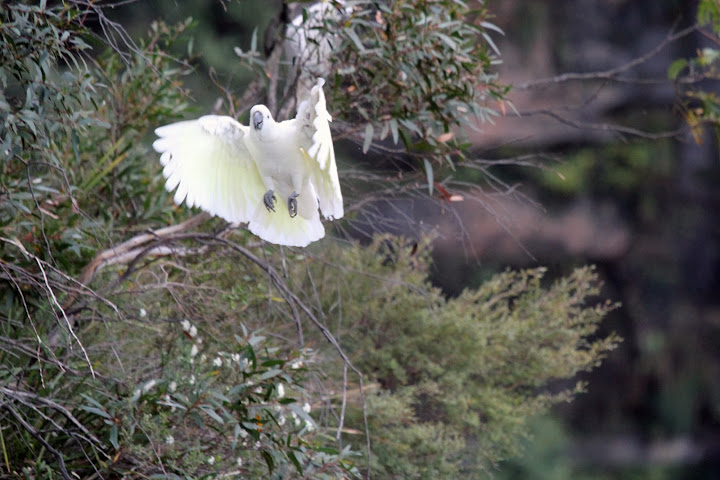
column 272, row 175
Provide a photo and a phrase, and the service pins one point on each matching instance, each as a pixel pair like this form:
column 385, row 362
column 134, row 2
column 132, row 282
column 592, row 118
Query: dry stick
column 342, row 407
column 28, row 428
column 110, row 256
column 67, row 320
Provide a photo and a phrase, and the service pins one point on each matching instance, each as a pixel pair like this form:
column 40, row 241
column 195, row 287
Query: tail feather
column 278, row 227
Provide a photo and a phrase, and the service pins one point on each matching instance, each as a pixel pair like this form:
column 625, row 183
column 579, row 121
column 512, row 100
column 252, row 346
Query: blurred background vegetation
column 140, row 339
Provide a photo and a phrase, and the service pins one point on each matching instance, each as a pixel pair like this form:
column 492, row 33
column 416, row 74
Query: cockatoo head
column 259, row 117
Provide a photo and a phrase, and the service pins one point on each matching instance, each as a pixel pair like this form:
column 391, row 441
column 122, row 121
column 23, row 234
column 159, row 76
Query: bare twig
column 612, row 73
column 129, row 249
column 25, row 397
column 34, row 433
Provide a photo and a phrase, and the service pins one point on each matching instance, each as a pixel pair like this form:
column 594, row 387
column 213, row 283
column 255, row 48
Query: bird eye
column 257, row 120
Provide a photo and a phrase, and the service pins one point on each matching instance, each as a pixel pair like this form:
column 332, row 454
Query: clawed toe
column 269, row 200
column 292, row 204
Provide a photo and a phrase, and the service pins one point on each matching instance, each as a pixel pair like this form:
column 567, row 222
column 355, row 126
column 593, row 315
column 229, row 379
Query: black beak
column 257, row 120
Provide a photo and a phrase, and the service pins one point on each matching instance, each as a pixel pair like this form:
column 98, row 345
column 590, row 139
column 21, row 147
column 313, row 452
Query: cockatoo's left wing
column 316, row 143
column 207, row 161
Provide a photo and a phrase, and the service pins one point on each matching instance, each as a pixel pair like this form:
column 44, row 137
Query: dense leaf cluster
column 456, row 379
column 414, row 70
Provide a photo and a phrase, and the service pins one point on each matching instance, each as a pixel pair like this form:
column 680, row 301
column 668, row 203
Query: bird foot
column 269, row 200
column 292, row 204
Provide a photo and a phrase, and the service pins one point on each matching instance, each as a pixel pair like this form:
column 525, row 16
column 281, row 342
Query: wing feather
column 317, row 146
column 207, row 161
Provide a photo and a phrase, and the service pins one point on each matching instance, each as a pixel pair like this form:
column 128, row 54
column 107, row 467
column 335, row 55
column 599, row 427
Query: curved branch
column 612, row 73
column 29, row 429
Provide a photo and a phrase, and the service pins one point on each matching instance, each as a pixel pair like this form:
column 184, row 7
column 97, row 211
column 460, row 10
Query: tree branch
column 610, row 74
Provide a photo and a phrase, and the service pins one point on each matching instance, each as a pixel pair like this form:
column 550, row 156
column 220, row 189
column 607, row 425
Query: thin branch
column 29, row 429
column 23, row 397
column 610, row 74
column 67, row 320
column 341, row 422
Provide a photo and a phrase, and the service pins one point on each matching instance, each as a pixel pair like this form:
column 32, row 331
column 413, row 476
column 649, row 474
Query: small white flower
column 309, row 426
column 217, row 362
column 239, row 462
column 203, row 357
column 235, row 357
column 172, row 386
column 246, row 365
column 296, row 364
column 258, row 390
column 169, row 440
column 257, row 445
column 306, row 408
column 281, row 390
column 193, row 331
column 211, row 460
column 281, row 420
column 194, row 350
column 143, row 313
column 295, row 417
column 192, row 379
column 185, row 325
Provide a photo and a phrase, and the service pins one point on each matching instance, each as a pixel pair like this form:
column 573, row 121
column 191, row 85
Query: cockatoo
column 272, row 175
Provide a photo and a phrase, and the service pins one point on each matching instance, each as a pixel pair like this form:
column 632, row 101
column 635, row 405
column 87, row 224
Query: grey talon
column 292, row 204
column 269, row 200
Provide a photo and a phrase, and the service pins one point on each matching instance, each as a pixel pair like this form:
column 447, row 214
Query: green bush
column 456, row 379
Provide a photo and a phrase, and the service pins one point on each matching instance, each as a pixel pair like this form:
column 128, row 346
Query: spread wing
column 316, row 144
column 207, row 161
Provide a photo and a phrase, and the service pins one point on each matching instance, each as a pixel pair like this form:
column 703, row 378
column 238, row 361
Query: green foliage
column 73, row 158
column 413, row 70
column 212, row 411
column 709, row 14
column 457, row 378
column 700, row 106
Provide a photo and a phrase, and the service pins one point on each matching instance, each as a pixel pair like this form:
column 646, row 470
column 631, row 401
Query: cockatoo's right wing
column 317, row 146
column 207, row 161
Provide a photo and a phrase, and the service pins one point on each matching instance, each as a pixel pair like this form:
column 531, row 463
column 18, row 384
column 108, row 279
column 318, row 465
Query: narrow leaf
column 368, row 137
column 430, row 176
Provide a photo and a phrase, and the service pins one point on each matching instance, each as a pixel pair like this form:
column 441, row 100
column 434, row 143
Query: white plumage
column 277, row 177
